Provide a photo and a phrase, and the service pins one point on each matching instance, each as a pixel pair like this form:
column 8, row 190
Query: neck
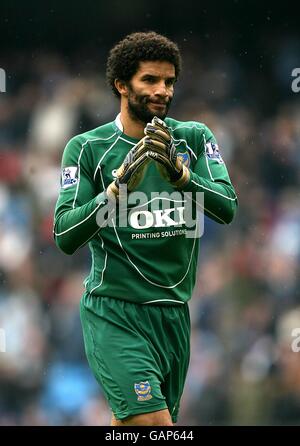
column 131, row 127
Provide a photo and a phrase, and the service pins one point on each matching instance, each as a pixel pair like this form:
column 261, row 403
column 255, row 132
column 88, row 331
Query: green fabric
column 151, row 259
column 128, row 344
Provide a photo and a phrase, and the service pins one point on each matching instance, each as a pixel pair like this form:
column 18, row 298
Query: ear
column 121, row 87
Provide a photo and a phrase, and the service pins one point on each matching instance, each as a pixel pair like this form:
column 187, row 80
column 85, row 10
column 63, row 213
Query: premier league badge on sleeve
column 212, row 152
column 69, row 177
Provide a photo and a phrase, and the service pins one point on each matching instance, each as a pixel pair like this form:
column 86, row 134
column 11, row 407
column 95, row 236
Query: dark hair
column 125, row 56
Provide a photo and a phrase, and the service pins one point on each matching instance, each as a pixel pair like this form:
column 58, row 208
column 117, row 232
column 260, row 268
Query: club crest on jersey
column 69, row 177
column 212, row 152
column 143, row 390
column 185, row 158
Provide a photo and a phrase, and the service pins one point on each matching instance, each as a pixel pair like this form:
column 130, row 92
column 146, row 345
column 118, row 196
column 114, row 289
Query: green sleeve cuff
column 101, row 198
column 189, row 186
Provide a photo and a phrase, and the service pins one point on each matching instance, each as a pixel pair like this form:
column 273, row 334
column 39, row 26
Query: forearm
column 220, row 201
column 73, row 228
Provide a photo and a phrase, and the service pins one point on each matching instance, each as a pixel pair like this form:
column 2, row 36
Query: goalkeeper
column 134, row 310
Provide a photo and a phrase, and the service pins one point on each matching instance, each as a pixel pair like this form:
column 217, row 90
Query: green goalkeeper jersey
column 143, row 252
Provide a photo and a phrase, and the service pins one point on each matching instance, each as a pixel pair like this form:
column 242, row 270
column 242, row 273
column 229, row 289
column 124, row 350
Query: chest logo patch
column 185, row 158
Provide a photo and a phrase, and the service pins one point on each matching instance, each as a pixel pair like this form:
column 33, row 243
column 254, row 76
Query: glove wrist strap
column 184, row 179
column 112, row 191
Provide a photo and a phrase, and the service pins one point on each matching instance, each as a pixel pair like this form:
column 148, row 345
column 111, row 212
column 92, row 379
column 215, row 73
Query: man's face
column 150, row 91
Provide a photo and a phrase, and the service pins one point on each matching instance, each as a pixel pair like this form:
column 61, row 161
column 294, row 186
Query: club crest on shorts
column 143, row 390
column 69, row 177
column 184, row 158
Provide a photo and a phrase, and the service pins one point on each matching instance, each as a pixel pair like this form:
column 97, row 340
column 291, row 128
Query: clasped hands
column 157, row 145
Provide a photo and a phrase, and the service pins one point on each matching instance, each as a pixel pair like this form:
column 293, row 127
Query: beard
column 138, row 107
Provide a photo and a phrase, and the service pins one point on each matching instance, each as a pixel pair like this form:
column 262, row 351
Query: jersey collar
column 118, row 123
column 120, row 130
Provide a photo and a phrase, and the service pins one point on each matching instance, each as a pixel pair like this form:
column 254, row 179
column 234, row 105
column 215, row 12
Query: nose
column 161, row 89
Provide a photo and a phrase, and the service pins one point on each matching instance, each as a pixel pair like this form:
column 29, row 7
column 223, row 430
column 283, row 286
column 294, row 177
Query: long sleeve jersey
column 147, row 251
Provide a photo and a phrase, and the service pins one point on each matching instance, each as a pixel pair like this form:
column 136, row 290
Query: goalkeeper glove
column 161, row 149
column 132, row 170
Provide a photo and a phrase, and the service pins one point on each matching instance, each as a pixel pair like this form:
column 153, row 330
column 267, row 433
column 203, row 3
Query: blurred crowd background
column 237, row 79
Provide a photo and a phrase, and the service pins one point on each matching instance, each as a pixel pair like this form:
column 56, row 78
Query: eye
column 170, row 82
column 149, row 79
